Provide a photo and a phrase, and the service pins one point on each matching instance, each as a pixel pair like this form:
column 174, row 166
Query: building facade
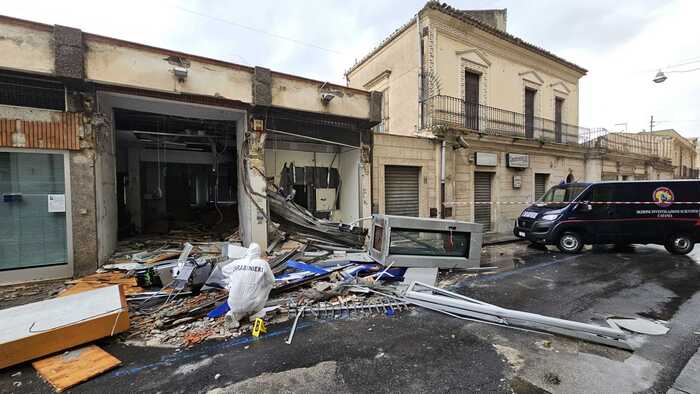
column 471, row 115
column 102, row 139
column 477, row 123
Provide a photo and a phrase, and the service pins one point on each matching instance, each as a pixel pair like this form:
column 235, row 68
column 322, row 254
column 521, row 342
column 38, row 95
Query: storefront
column 35, row 238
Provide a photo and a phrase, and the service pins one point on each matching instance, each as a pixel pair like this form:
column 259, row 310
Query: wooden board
column 34, row 330
column 102, row 279
column 76, row 366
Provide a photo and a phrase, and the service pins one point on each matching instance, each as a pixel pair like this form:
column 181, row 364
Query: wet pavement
column 422, row 351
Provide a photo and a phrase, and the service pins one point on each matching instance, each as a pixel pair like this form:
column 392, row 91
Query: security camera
column 326, row 97
column 180, row 73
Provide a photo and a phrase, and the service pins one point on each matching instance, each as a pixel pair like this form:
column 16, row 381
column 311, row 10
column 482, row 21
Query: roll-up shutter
column 482, row 193
column 401, row 190
column 540, row 185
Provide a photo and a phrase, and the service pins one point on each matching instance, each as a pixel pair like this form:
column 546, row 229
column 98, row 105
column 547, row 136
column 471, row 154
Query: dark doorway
column 471, row 100
column 558, row 106
column 530, row 112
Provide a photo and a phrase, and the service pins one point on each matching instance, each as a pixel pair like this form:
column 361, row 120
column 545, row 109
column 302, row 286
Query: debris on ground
column 187, row 287
column 41, row 328
column 68, row 369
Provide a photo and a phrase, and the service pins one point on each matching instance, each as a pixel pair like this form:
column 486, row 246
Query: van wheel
column 680, row 244
column 570, row 242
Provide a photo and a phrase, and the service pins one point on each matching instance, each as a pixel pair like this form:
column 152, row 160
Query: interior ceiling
column 173, row 132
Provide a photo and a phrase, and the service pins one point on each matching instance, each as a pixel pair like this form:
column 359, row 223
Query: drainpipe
column 420, row 73
column 442, row 179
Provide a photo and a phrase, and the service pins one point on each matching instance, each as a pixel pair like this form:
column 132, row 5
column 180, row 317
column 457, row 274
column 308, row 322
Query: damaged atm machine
column 402, row 241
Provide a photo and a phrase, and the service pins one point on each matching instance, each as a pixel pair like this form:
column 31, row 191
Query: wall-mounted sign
column 57, row 202
column 517, row 160
column 517, row 181
column 485, row 159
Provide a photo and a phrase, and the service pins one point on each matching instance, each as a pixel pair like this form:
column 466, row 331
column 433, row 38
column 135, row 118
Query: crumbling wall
column 82, row 184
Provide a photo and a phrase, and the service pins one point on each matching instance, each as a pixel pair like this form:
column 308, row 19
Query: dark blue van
column 621, row 213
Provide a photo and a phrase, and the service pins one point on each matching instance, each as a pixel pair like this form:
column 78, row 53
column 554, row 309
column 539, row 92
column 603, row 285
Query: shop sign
column 517, row 160
column 486, row 159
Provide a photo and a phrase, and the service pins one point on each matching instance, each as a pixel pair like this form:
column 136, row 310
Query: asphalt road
column 421, row 351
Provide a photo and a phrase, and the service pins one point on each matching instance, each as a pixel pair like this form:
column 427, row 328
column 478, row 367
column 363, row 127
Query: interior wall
column 275, row 159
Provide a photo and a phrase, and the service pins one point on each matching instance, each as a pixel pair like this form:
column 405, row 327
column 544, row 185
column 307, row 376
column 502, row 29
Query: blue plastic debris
column 298, row 265
column 393, row 275
column 219, row 311
column 390, row 311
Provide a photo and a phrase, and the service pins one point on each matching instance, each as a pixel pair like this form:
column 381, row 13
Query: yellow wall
column 26, row 49
column 400, row 57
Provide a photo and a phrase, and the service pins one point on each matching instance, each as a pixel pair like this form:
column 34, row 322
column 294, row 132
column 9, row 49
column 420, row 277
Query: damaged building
column 102, row 140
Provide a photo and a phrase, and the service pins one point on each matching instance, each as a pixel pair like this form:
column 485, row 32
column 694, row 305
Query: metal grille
column 540, row 185
column 482, row 193
column 401, row 190
column 31, row 92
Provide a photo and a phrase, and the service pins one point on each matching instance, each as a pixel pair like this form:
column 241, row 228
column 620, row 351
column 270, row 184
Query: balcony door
column 530, row 112
column 558, row 106
column 471, row 100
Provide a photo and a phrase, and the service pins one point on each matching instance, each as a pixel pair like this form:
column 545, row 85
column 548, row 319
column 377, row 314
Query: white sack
column 249, row 281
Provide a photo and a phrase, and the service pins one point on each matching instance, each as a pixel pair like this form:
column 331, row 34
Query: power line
column 242, row 26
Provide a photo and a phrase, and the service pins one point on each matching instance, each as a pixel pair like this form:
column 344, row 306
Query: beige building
column 102, row 139
column 471, row 114
column 682, row 152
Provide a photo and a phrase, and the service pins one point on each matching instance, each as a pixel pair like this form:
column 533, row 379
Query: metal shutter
column 401, row 190
column 482, row 193
column 540, row 185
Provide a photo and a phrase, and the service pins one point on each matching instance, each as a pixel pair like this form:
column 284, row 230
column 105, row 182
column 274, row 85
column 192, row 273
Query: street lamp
column 661, row 76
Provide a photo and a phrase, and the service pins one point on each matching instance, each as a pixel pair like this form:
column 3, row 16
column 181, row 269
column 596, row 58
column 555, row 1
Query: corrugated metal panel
column 59, row 133
column 540, row 185
column 401, row 185
column 482, row 193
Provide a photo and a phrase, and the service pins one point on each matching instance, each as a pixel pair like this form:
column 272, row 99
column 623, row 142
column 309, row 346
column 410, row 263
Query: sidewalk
column 499, row 238
column 688, row 382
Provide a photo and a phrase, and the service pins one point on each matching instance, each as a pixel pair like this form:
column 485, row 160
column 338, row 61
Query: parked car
column 621, row 213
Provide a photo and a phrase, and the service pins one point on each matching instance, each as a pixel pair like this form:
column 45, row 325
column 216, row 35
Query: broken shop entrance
column 318, row 163
column 174, row 170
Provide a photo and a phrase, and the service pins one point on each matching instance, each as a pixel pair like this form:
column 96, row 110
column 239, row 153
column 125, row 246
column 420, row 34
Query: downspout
column 442, row 178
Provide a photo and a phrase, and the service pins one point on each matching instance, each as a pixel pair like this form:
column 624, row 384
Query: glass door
column 32, row 210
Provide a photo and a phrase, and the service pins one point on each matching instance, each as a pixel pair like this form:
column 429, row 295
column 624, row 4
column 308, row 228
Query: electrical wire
column 274, row 35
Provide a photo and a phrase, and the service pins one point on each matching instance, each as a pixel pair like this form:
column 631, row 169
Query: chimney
column 494, row 18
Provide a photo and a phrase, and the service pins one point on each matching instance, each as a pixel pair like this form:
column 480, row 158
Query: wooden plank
column 103, row 279
column 34, row 330
column 68, row 369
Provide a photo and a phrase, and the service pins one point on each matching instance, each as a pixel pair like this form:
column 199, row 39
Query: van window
column 562, row 193
column 602, row 193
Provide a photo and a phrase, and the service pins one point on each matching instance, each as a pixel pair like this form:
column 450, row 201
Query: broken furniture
column 403, row 241
column 41, row 328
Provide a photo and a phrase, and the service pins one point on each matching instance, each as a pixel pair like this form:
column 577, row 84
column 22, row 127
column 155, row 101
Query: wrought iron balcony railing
column 455, row 112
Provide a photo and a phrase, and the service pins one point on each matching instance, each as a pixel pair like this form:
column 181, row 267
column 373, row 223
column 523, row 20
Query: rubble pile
column 172, row 312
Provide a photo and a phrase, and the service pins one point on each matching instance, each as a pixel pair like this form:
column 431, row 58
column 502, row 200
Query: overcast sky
column 622, row 43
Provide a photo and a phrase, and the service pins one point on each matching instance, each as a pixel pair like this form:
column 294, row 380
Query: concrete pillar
column 252, row 203
column 365, row 183
column 84, row 225
column 593, row 170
